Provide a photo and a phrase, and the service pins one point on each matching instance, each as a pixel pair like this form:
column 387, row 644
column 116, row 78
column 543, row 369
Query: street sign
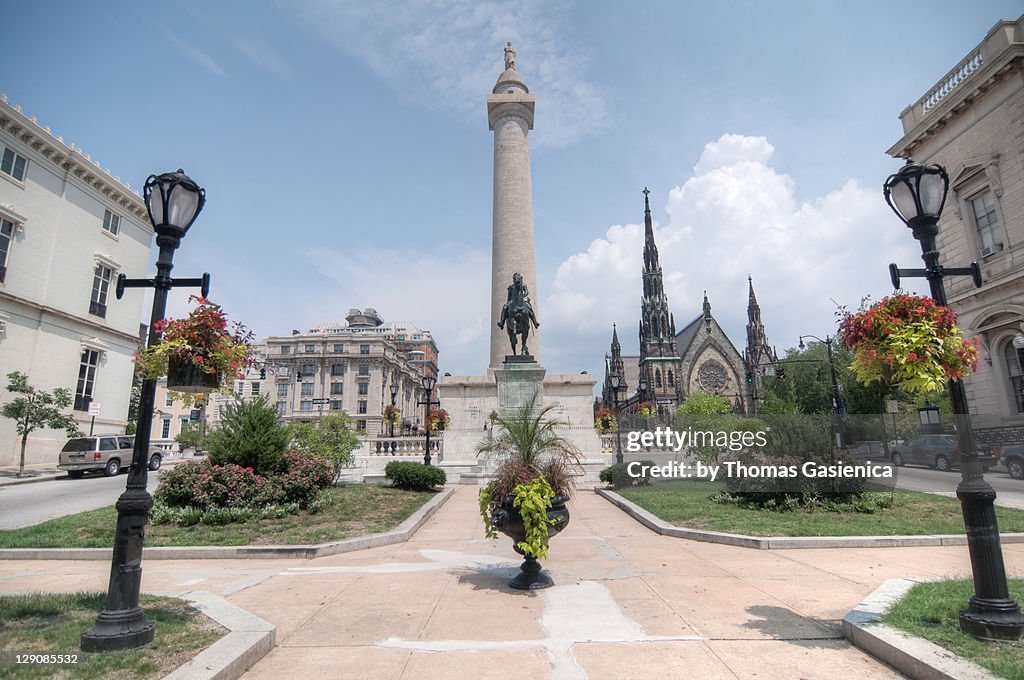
column 892, row 406
column 321, row 400
column 94, row 408
column 664, row 401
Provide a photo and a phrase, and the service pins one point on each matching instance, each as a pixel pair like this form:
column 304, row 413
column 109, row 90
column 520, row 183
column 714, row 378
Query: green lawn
column 351, row 510
column 50, row 623
column 929, row 611
column 688, row 503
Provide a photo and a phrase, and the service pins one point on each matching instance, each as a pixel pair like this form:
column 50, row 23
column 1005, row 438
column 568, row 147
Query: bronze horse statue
column 518, row 314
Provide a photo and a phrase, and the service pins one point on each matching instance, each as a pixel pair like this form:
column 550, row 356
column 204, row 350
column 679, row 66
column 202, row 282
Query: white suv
column 107, row 452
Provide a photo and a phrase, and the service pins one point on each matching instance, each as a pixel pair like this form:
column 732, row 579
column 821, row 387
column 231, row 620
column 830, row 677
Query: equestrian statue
column 518, row 313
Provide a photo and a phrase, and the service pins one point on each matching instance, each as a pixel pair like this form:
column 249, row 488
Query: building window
column 364, row 389
column 286, row 350
column 337, row 369
column 364, row 369
column 13, row 164
column 165, row 429
column 111, row 222
column 364, row 349
column 1014, row 360
column 281, row 406
column 310, row 349
column 6, row 236
column 86, row 379
column 362, row 406
column 306, row 406
column 100, row 288
column 170, row 400
column 308, row 371
column 671, row 379
column 360, row 426
column 657, row 378
column 307, row 389
column 282, row 390
column 986, row 221
column 336, row 405
column 337, row 388
column 255, row 389
column 339, row 348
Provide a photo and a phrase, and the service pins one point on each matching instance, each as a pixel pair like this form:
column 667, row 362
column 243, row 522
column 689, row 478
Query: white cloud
column 260, row 53
column 736, row 215
column 195, row 54
column 454, row 48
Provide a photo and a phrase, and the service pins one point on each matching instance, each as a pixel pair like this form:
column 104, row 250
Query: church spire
column 616, row 347
column 753, row 309
column 650, row 248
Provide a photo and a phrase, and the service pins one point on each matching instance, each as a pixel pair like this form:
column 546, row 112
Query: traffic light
column 750, row 377
column 780, row 372
column 298, row 376
column 263, row 373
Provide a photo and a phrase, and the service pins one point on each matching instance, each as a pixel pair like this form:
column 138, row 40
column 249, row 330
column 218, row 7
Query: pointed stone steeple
column 758, row 354
column 660, row 364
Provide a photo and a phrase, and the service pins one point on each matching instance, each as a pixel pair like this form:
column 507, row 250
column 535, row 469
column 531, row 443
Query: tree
column 704, row 404
column 191, row 436
column 249, row 436
column 36, row 409
column 713, row 416
column 329, row 437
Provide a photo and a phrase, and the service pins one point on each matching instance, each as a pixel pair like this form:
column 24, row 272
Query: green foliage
column 249, row 436
column 35, row 409
column 704, row 404
column 487, row 505
column 708, row 449
column 191, row 436
column 529, row 442
column 414, row 476
column 329, row 437
column 533, row 500
column 618, row 475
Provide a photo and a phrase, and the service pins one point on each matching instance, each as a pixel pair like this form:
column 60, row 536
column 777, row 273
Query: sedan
column 939, row 451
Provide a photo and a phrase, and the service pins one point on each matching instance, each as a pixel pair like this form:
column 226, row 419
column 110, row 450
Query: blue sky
column 347, row 162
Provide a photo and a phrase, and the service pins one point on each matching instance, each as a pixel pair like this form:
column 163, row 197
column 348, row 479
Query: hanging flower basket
column 646, row 410
column 188, row 376
column 909, row 342
column 197, row 351
column 439, row 419
column 605, row 421
column 392, row 415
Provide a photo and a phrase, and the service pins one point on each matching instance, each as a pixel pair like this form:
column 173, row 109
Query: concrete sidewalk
column 628, row 603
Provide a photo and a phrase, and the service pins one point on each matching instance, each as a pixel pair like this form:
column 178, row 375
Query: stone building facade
column 972, row 123
column 67, row 229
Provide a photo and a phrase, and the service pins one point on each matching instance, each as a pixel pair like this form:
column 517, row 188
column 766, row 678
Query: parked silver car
column 939, row 451
column 107, row 452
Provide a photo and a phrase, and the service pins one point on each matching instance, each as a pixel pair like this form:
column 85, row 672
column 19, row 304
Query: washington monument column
column 510, row 115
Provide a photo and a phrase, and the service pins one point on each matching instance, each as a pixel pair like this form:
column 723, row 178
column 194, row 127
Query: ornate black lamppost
column 428, row 385
column 616, row 383
column 838, row 404
column 173, row 201
column 917, row 194
column 394, row 396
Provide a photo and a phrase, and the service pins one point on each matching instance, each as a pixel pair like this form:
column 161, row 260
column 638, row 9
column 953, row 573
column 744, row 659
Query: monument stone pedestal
column 520, row 381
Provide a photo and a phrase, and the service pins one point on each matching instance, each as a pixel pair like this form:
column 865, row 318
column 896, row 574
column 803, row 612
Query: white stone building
column 67, row 229
column 972, row 123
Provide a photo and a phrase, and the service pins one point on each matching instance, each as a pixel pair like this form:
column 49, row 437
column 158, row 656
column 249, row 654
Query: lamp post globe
column 173, row 201
column 917, row 194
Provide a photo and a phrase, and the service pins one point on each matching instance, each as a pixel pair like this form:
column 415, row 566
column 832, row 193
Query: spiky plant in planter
column 533, row 481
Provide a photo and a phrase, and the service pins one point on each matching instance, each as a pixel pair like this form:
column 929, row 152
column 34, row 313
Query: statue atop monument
column 510, row 56
column 518, row 313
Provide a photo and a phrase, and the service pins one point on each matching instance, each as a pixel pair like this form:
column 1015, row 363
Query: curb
column 660, row 526
column 913, row 656
column 249, row 639
column 51, row 476
column 403, row 532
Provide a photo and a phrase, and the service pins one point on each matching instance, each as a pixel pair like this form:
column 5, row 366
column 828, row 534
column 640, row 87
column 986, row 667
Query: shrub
column 618, row 475
column 329, row 437
column 305, row 476
column 414, row 476
column 249, row 436
column 205, row 486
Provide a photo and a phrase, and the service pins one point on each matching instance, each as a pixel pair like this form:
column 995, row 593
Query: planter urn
column 507, row 520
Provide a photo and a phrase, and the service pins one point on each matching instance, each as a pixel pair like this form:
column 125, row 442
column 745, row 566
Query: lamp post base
column 991, row 619
column 122, row 629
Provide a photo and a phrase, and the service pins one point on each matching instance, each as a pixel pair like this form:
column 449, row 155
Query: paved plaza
column 628, row 603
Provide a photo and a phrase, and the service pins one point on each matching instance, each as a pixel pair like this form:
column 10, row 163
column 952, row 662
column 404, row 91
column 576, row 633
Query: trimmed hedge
column 414, row 476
